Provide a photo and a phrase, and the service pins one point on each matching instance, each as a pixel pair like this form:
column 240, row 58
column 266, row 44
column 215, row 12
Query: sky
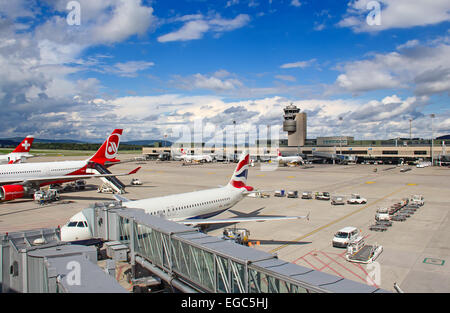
column 79, row 69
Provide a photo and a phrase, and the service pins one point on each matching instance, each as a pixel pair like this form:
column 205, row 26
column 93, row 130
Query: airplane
column 192, row 208
column 20, row 153
column 193, row 157
column 289, row 159
column 23, row 179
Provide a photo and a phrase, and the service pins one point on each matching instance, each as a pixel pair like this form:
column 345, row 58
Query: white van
column 345, row 236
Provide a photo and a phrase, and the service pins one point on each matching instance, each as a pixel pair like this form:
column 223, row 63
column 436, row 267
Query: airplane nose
column 65, row 234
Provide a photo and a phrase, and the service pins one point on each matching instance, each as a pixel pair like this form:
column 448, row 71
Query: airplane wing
column 120, row 198
column 195, row 222
column 39, row 180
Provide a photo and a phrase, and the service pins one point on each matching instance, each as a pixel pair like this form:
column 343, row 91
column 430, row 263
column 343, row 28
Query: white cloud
column 296, row 3
column 191, row 30
column 197, row 26
column 127, row 69
column 408, row 44
column 36, row 87
column 286, row 78
column 217, row 82
column 129, row 18
column 299, row 64
column 396, row 14
column 231, row 2
column 370, row 119
column 425, row 69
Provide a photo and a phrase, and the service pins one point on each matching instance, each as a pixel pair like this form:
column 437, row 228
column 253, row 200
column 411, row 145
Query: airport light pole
column 235, row 143
column 410, row 129
column 340, row 138
column 432, row 137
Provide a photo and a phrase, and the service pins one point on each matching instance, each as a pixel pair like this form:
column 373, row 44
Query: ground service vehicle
column 356, row 199
column 345, row 236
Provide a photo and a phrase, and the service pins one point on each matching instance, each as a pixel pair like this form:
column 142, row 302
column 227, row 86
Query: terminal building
column 295, row 125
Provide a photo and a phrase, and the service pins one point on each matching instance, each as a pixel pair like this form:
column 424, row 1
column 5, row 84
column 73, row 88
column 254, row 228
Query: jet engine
column 11, row 192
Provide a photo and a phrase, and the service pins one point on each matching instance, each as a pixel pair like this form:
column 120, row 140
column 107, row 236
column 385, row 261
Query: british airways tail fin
column 239, row 178
column 109, row 149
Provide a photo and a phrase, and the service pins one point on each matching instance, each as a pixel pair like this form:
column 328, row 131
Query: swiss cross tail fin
column 25, row 145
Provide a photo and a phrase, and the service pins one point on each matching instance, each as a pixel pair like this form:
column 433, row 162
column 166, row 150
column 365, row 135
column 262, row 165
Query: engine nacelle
column 11, row 192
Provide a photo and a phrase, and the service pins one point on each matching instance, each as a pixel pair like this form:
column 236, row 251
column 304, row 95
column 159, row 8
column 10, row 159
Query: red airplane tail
column 25, row 145
column 109, row 149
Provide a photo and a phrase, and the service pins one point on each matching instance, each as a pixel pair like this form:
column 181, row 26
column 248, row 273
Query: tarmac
column 416, row 252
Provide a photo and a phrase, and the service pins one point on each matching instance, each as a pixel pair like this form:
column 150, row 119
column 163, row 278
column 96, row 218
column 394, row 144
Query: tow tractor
column 259, row 194
column 337, row 200
column 307, row 195
column 359, row 252
column 136, row 182
column 382, row 215
column 417, row 200
column 238, row 235
column 45, row 196
column 356, row 199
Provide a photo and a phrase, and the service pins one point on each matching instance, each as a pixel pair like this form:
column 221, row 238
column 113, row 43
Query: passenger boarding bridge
column 185, row 258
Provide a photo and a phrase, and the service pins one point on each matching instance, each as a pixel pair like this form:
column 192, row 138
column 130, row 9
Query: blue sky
column 152, row 66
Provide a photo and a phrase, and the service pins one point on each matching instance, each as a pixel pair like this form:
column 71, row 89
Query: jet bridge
column 37, row 261
column 192, row 261
column 186, row 259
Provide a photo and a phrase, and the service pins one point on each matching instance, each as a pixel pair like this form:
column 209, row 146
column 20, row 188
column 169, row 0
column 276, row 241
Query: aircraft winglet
column 120, row 198
column 134, row 171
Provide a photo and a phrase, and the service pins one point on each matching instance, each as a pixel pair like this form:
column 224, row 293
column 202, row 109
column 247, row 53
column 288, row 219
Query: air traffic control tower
column 295, row 124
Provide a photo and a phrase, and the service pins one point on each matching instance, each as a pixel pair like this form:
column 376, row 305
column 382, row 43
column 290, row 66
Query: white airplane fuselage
column 190, row 205
column 25, row 171
column 14, row 156
column 291, row 159
column 196, row 157
column 191, row 208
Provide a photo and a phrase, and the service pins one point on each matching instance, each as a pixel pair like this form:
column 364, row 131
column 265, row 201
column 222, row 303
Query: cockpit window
column 72, row 224
column 80, row 224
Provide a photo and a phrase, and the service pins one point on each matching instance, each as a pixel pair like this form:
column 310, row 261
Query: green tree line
column 79, row 146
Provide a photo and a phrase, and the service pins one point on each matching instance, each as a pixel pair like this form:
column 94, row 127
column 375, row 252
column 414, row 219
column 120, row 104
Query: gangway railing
column 193, row 261
column 110, row 181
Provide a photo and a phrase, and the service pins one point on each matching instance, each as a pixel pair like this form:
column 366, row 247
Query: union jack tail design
column 25, row 145
column 239, row 178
